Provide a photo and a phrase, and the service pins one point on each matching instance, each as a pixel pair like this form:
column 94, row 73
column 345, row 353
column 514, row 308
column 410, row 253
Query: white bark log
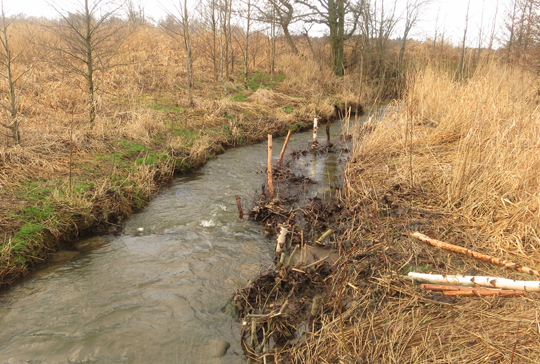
column 315, row 127
column 494, row 282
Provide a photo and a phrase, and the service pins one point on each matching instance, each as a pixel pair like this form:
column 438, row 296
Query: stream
column 157, row 297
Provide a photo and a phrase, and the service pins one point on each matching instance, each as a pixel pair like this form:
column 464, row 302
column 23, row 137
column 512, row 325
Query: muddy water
column 157, row 297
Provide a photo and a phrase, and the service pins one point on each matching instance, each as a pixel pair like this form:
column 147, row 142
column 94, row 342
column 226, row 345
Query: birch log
column 283, row 149
column 315, row 127
column 269, row 171
column 493, row 282
column 472, row 253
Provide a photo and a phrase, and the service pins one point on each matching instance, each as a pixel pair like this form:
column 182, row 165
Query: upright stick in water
column 328, row 133
column 269, row 171
column 283, row 149
column 315, row 127
column 239, row 205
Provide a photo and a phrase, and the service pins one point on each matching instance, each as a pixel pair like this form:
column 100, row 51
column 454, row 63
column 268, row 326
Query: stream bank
column 101, row 188
column 343, row 299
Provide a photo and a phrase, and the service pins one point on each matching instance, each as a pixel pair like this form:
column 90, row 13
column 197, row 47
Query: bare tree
column 493, row 29
column 179, row 28
column 282, row 12
column 89, row 38
column 333, row 14
column 246, row 48
column 15, row 81
column 461, row 68
column 413, row 10
column 285, row 16
column 135, row 12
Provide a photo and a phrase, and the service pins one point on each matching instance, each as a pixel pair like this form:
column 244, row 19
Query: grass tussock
column 458, row 161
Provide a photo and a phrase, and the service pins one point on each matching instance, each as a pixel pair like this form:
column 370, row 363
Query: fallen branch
column 496, row 282
column 471, row 291
column 472, row 253
column 485, row 292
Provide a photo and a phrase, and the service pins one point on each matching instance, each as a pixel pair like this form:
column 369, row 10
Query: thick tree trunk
column 289, row 39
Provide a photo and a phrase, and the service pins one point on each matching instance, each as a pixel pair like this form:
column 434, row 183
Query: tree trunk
column 246, row 55
column 89, row 66
column 289, row 39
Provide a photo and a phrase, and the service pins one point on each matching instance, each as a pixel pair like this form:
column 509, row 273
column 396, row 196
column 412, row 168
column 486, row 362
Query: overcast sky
column 450, row 14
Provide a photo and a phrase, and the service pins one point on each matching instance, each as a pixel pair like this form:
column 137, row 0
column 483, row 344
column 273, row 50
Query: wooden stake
column 492, row 282
column 239, row 205
column 269, row 171
column 283, row 149
column 472, row 253
column 315, row 127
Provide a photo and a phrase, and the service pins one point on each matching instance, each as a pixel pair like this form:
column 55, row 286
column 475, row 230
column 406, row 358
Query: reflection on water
column 157, row 297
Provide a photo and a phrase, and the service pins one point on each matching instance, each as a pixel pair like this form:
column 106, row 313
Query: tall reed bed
column 459, row 161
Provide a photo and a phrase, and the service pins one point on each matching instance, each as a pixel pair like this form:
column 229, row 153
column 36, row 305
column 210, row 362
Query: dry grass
column 459, row 162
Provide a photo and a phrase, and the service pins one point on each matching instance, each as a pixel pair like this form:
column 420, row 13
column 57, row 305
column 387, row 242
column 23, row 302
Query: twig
column 317, row 262
column 515, row 344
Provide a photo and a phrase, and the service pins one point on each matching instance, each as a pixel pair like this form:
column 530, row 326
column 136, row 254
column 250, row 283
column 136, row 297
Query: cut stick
column 283, row 149
column 315, row 127
column 479, row 291
column 493, row 282
column 485, row 292
column 239, row 205
column 472, row 253
column 269, row 176
column 442, row 287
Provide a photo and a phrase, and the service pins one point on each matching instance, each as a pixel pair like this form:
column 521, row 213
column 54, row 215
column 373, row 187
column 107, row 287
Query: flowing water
column 157, row 297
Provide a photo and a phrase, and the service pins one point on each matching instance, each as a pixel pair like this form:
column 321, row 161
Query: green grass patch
column 168, row 108
column 288, row 109
column 259, row 80
column 240, row 97
column 152, row 158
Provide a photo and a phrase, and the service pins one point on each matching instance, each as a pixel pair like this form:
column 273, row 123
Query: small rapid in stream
column 157, row 297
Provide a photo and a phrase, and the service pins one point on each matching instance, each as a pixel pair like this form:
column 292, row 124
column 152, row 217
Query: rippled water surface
column 155, row 298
